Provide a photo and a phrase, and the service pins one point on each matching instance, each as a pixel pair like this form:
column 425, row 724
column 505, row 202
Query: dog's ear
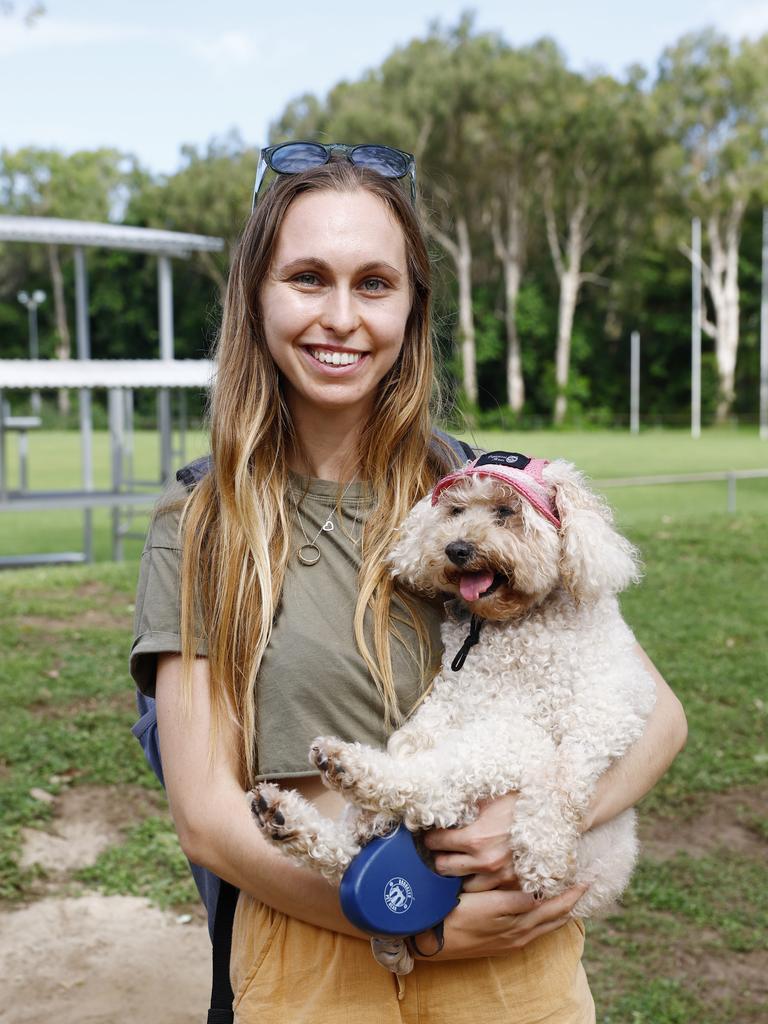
column 594, row 558
column 406, row 557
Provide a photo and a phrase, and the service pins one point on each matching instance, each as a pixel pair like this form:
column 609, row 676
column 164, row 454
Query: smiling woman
column 267, row 615
column 335, row 305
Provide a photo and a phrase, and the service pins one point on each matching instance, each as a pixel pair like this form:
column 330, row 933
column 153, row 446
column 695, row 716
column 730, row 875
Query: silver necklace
column 309, row 553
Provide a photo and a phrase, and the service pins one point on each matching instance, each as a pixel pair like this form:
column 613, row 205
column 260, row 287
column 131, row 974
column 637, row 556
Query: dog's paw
column 330, row 756
column 267, row 807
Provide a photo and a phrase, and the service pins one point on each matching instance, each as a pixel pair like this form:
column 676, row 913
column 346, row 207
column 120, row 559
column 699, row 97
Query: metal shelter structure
column 119, row 377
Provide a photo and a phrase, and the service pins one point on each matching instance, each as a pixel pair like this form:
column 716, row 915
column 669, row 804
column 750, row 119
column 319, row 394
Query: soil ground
column 80, row 957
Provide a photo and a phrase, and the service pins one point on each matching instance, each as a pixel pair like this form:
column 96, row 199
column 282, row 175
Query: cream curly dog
column 540, row 690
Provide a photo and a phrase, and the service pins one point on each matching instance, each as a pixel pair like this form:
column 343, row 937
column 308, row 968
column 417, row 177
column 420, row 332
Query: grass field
column 54, row 462
column 688, row 943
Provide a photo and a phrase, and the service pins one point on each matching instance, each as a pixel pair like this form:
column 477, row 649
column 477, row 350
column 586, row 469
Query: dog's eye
column 455, row 510
column 503, row 512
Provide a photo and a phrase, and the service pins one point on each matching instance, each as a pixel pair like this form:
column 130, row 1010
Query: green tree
column 209, row 195
column 513, row 122
column 87, row 185
column 713, row 97
column 589, row 169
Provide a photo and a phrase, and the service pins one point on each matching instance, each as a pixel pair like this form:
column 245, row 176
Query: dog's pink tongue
column 473, row 584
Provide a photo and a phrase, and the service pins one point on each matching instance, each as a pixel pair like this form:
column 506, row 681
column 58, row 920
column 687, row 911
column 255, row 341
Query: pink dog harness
column 520, row 472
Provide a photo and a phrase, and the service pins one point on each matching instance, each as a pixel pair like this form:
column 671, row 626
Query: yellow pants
column 287, row 972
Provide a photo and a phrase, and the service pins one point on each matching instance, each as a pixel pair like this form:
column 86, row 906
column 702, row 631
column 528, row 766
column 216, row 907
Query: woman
column 289, row 625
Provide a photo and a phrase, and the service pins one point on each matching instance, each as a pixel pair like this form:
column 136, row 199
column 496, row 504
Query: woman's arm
column 216, row 830
column 211, row 811
column 481, row 849
column 635, row 774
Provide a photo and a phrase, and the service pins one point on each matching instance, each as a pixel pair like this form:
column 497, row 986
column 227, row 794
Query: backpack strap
column 194, row 472
column 221, row 991
column 460, row 449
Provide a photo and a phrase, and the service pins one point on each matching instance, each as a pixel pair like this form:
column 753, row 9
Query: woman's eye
column 374, row 284
column 308, row 279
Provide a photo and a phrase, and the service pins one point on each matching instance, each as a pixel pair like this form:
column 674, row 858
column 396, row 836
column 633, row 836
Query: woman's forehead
column 341, row 225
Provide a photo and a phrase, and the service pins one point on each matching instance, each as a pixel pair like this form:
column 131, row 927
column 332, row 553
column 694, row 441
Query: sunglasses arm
column 261, row 170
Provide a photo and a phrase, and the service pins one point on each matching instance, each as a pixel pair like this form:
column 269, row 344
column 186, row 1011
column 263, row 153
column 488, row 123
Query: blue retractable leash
column 389, row 890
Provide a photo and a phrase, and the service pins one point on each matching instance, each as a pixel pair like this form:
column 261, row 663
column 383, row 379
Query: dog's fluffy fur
column 551, row 696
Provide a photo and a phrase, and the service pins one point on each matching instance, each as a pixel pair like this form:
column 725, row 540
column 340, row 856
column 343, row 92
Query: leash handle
column 438, row 931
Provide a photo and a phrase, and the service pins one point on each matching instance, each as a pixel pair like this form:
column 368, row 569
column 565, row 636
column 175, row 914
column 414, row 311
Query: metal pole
column 86, row 420
column 764, row 335
column 634, row 387
column 116, row 436
column 165, row 298
column 34, row 353
column 696, row 329
column 3, row 463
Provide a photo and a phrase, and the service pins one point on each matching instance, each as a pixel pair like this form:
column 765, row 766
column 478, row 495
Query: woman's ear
column 408, row 557
column 594, row 558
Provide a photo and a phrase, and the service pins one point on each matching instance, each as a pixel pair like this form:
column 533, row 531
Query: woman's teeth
column 335, row 358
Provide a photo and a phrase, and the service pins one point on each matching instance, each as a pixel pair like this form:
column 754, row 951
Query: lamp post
column 37, row 298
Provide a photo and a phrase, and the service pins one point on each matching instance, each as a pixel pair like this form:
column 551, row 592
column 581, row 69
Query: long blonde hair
column 236, row 525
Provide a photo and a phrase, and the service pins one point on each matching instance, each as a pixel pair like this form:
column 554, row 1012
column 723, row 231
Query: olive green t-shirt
column 313, row 680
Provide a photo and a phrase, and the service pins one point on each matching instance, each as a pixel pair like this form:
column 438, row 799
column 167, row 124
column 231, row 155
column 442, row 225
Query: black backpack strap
column 460, row 449
column 221, row 992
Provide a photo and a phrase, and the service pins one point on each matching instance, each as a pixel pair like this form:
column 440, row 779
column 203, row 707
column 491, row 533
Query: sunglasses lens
column 387, row 162
column 297, row 156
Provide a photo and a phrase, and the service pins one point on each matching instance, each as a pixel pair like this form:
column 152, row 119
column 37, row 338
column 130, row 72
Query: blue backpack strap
column 194, row 472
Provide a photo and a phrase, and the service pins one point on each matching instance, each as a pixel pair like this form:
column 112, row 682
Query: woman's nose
column 339, row 313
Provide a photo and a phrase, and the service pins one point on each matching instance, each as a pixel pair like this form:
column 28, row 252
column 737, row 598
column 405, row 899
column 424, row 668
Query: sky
column 148, row 76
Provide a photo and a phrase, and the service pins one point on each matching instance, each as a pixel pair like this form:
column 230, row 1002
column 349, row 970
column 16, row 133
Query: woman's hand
column 481, row 849
column 497, row 922
column 493, row 916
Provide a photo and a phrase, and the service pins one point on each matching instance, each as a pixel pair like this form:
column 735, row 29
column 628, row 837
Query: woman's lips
column 320, row 358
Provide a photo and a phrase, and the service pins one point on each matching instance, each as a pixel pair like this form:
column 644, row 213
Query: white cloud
column 223, row 50
column 740, row 19
column 52, row 33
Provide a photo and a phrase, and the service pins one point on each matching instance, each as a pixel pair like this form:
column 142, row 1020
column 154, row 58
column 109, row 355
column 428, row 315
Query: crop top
column 312, row 681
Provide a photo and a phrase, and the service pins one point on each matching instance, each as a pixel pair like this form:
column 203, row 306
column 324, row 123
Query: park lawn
column 54, row 462
column 688, row 941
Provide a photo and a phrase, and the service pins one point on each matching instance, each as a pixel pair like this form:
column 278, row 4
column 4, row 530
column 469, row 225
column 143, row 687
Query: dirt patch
column 87, row 819
column 102, row 960
column 722, row 821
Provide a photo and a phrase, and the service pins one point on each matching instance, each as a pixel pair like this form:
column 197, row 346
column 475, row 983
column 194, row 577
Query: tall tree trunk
column 510, row 250
column 514, row 363
column 723, row 285
column 466, row 317
column 568, row 269
column 63, row 340
column 569, row 294
column 460, row 251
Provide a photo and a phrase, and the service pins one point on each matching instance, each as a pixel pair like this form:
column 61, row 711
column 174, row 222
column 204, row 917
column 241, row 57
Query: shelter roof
column 111, row 236
column 105, row 373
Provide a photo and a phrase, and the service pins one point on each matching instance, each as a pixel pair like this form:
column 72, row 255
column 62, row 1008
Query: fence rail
column 729, row 476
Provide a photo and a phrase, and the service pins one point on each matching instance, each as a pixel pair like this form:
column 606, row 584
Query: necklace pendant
column 308, row 554
column 327, row 526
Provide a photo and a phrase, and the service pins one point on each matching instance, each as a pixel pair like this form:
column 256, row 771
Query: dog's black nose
column 460, row 551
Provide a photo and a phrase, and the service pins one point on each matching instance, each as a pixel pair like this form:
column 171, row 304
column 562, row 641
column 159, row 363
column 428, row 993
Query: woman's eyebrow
column 315, row 263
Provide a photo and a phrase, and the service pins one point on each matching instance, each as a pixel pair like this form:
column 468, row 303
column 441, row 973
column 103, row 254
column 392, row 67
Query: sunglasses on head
column 295, row 157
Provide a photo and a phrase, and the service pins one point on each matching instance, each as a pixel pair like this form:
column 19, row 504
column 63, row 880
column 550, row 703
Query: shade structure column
column 86, row 417
column 165, row 313
column 764, row 334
